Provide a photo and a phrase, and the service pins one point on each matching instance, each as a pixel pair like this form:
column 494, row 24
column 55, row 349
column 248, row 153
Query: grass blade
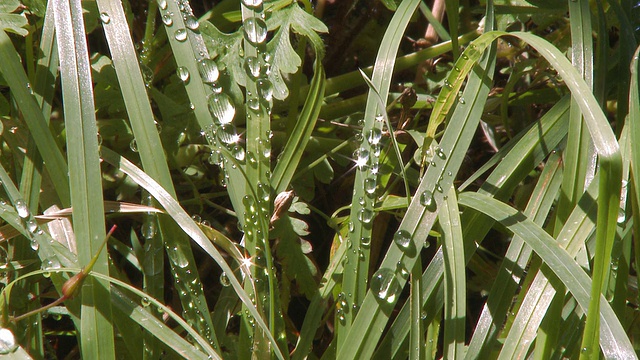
column 96, row 330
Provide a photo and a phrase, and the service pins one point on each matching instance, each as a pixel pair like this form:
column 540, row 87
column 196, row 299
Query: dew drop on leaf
column 105, row 18
column 402, row 238
column 252, row 66
column 183, row 74
column 221, row 108
column 224, row 279
column 255, row 30
column 22, row 209
column 180, row 35
column 167, row 20
column 191, row 22
column 384, row 285
column 209, row 71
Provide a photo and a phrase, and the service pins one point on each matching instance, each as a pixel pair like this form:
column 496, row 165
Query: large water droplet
column 22, row 209
column 180, row 35
column 105, row 18
column 238, row 152
column 191, row 22
column 34, row 245
column 370, row 185
column 8, row 343
column 183, row 74
column 441, row 153
column 221, row 108
column 145, row 301
column 252, row 66
column 265, row 90
column 162, row 4
column 384, row 285
column 209, row 71
column 427, row 200
column 365, row 215
column 402, row 238
column 255, row 30
column 374, row 135
column 361, row 156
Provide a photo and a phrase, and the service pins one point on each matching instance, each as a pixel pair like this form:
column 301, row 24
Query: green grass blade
column 634, row 135
column 354, row 282
column 615, row 343
column 174, row 210
column 85, row 178
column 514, row 263
column 454, row 278
column 422, row 213
column 153, row 159
column 285, row 168
column 16, row 77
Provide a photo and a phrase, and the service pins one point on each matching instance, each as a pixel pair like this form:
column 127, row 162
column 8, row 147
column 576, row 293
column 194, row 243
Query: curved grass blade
column 615, row 343
column 174, row 210
column 515, row 261
column 150, row 149
column 422, row 213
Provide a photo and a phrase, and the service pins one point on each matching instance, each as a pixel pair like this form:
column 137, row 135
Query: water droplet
column 209, row 71
column 374, row 135
column 105, row 18
column 384, row 285
column 376, row 149
column 149, row 229
column 34, row 245
column 32, row 226
column 253, row 103
column 365, row 242
column 8, row 342
column 191, row 22
column 366, row 215
column 465, row 57
column 183, row 74
column 351, row 226
column 238, row 152
column 370, row 185
column 462, row 101
column 252, row 3
column 255, row 30
column 145, row 301
column 30, row 90
column 379, row 118
column 224, row 280
column 427, row 200
column 265, row 90
column 221, row 108
column 400, row 268
column 441, row 153
column 448, row 84
column 167, row 20
column 180, row 35
column 133, row 145
column 22, row 209
column 162, row 4
column 51, row 264
column 622, row 216
column 361, row 157
column 402, row 238
column 252, row 66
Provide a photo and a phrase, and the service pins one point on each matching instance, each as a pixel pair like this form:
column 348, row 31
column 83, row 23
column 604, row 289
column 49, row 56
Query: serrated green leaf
column 291, row 252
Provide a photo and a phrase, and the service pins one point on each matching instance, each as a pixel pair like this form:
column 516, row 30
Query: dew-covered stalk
column 257, row 202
